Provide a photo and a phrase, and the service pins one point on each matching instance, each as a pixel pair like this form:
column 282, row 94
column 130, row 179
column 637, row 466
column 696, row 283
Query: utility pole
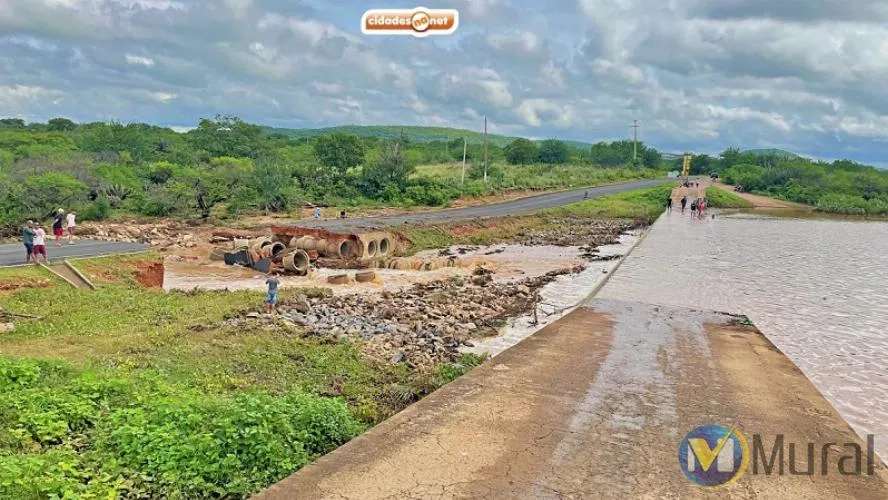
column 462, row 182
column 485, row 150
column 635, row 141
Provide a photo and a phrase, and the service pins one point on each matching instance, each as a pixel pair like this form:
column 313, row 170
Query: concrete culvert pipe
column 372, row 248
column 344, row 249
column 258, row 243
column 296, row 261
column 277, row 247
column 384, row 246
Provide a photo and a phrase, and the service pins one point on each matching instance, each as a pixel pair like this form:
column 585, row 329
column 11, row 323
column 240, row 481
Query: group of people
column 34, row 236
column 698, row 206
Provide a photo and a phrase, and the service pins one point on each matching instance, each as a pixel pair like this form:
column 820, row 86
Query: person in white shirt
column 39, row 243
column 72, row 225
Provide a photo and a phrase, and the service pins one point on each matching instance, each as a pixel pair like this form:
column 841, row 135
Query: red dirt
column 149, row 274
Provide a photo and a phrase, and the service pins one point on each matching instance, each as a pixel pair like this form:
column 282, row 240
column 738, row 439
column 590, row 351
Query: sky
column 698, row 75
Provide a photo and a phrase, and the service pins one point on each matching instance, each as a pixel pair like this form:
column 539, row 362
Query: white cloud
column 144, row 61
column 696, row 73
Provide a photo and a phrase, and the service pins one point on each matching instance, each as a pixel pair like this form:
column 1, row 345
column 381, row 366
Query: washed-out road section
column 13, row 254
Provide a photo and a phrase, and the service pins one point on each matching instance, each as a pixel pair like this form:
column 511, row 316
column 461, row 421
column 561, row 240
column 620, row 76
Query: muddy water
column 558, row 297
column 816, row 288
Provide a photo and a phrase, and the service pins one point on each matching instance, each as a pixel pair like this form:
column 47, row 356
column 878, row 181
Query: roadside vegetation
column 841, row 186
column 719, row 198
column 227, row 168
column 130, row 391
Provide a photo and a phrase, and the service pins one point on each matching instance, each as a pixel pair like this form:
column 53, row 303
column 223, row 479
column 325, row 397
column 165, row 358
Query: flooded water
column 558, row 297
column 816, row 288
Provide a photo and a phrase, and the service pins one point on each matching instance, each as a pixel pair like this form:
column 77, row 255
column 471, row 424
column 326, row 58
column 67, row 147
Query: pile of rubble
column 579, row 231
column 421, row 326
column 158, row 234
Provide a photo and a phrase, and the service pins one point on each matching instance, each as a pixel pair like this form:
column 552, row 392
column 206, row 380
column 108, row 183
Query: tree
column 60, row 125
column 228, row 136
column 272, row 182
column 44, row 193
column 651, row 158
column 12, row 123
column 390, row 168
column 521, row 152
column 553, row 151
column 730, row 157
column 340, row 152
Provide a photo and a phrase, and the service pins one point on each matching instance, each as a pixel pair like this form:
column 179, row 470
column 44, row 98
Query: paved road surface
column 14, row 254
column 596, row 405
column 514, row 207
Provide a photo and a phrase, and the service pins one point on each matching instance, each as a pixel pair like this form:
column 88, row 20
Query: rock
column 252, row 315
column 398, row 357
column 301, row 304
column 7, row 327
column 482, row 280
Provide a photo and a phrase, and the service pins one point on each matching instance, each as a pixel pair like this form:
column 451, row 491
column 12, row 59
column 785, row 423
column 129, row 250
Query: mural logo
column 713, row 456
column 419, row 21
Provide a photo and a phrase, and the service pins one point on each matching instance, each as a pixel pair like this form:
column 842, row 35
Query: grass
column 130, row 391
column 719, row 198
column 644, row 204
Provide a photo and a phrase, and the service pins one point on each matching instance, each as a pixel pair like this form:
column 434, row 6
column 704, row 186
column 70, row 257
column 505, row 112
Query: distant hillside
column 780, row 153
column 416, row 134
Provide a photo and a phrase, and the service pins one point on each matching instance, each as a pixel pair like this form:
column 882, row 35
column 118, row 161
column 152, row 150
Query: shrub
column 842, row 204
column 98, row 210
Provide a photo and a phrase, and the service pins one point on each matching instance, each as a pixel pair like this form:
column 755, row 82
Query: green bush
column 64, row 436
column 842, row 204
column 100, row 209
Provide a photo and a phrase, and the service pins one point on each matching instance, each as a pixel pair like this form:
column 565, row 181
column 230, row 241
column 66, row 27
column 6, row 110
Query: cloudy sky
column 804, row 75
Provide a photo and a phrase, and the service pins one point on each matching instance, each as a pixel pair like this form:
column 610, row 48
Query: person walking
column 669, row 204
column 684, row 203
column 71, row 220
column 28, row 240
column 39, row 243
column 694, row 208
column 58, row 228
column 317, row 212
column 272, row 283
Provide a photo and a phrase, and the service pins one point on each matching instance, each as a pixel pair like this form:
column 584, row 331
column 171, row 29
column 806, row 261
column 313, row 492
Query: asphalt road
column 14, row 254
column 514, row 207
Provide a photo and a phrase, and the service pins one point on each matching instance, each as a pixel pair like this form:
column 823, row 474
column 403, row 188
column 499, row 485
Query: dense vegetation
column 146, row 394
column 840, row 186
column 226, row 167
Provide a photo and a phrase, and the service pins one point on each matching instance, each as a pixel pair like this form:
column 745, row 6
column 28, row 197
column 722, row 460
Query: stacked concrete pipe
column 296, row 260
column 375, row 244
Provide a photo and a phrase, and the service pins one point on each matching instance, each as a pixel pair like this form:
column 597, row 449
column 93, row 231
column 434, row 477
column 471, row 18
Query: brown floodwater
column 814, row 286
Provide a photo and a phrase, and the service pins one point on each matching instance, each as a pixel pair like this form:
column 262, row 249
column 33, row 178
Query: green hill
column 779, row 153
column 414, row 133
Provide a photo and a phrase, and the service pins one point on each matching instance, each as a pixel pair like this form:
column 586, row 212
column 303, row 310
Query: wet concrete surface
column 520, row 206
column 594, row 406
column 13, row 254
column 814, row 287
